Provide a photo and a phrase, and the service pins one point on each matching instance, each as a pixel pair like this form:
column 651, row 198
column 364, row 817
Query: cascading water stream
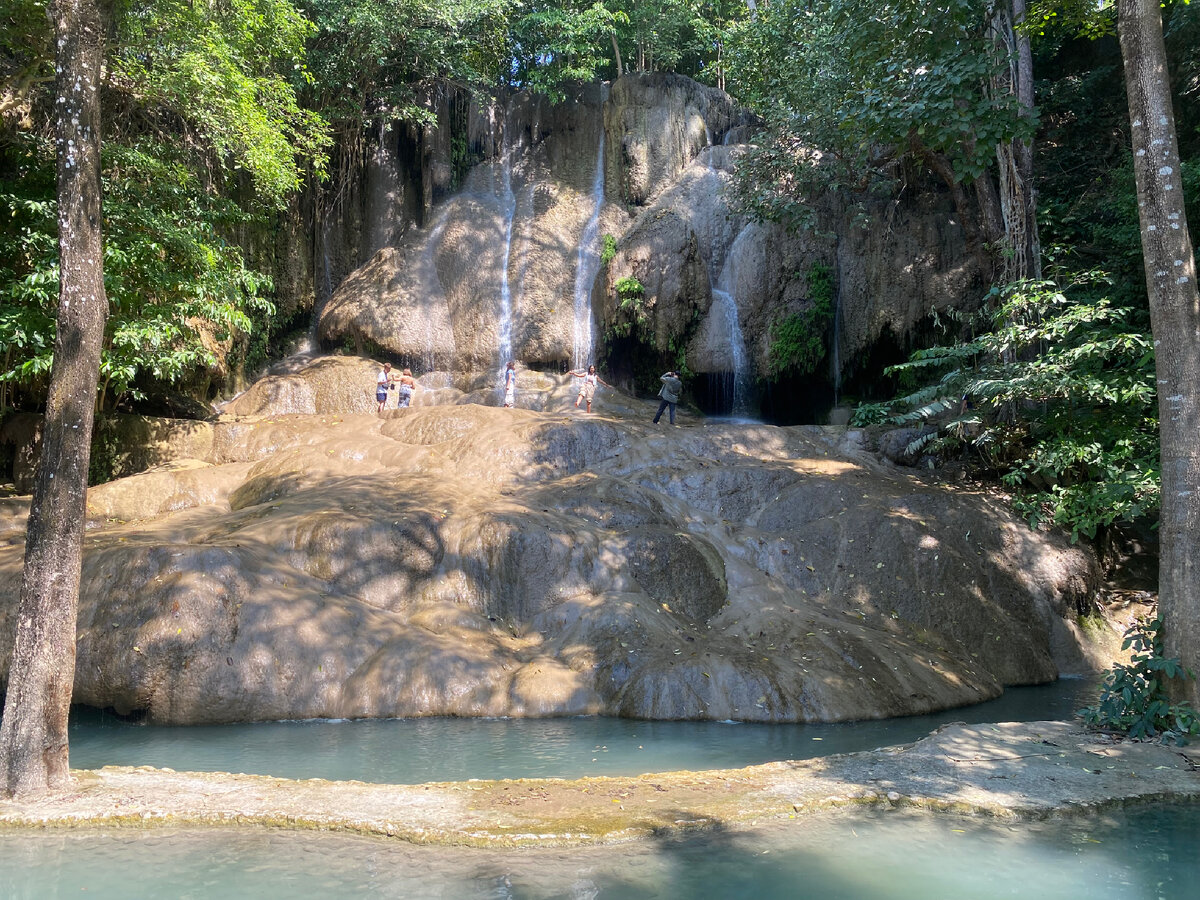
column 508, row 201
column 587, row 264
column 725, row 305
column 726, row 342
column 525, row 208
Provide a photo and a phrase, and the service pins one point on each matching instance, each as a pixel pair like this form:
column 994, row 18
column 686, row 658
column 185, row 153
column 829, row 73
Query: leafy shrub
column 631, row 307
column 1057, row 392
column 609, row 250
column 1133, row 699
column 869, row 414
column 798, row 340
column 175, row 283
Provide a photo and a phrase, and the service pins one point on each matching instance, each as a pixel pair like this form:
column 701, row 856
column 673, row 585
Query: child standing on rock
column 587, row 390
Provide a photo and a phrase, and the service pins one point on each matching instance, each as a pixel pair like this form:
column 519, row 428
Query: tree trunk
column 1175, row 320
column 1017, row 202
column 617, row 54
column 33, row 735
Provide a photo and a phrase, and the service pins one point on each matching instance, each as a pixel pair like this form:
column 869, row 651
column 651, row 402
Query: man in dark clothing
column 672, row 387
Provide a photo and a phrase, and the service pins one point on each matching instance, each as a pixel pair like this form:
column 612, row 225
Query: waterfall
column 508, row 206
column 725, row 305
column 587, row 264
column 525, row 207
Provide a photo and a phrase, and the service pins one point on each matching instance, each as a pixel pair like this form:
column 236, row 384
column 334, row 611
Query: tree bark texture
column 1175, row 321
column 33, row 734
column 1017, row 200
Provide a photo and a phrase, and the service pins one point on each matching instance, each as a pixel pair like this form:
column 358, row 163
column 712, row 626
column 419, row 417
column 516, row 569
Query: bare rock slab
column 474, row 561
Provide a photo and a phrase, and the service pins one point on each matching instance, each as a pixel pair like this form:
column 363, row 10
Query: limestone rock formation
column 459, row 559
column 507, row 264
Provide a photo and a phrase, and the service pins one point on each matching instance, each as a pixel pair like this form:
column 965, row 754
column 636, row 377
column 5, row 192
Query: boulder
column 507, row 265
column 460, row 559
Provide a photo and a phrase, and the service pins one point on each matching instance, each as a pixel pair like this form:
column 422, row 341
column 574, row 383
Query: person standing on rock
column 672, row 387
column 587, row 390
column 510, row 385
column 383, row 381
column 407, row 385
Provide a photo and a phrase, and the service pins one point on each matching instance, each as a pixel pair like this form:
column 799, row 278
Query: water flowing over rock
column 459, row 559
column 506, row 263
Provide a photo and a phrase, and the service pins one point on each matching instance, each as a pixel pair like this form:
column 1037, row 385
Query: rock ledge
column 1030, row 770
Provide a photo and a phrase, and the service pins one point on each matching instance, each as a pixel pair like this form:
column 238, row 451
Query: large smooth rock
column 507, row 264
column 472, row 560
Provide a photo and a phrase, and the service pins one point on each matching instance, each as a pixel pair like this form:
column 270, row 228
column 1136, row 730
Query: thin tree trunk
column 1175, row 320
column 1017, row 204
column 33, row 735
column 1024, row 149
column 617, row 54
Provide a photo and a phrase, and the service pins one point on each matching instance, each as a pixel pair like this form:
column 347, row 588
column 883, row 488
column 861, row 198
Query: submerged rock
column 458, row 559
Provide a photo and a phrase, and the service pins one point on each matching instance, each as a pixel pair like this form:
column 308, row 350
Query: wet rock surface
column 509, row 261
column 475, row 561
column 1029, row 770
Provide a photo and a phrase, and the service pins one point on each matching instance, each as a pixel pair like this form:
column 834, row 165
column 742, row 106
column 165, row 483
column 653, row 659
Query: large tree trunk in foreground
column 1175, row 320
column 33, row 735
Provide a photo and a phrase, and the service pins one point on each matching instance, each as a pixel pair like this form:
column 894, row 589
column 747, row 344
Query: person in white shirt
column 383, row 381
column 587, row 390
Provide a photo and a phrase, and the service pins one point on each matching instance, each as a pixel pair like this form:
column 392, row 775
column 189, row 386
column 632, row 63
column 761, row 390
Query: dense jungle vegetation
column 221, row 117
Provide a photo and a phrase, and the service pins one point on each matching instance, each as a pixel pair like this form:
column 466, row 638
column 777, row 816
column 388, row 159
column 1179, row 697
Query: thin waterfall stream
column 587, row 264
column 508, row 206
column 725, row 303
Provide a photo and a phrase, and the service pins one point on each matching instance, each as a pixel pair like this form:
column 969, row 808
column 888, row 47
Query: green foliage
column 631, row 308
column 798, row 340
column 373, row 56
column 230, row 74
column 848, row 88
column 201, row 116
column 630, row 290
column 558, row 44
column 175, row 285
column 609, row 250
column 665, row 33
column 677, row 348
column 1086, row 18
column 1134, row 699
column 870, row 414
column 1058, row 394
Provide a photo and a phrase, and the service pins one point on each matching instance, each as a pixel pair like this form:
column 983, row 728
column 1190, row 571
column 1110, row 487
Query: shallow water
column 412, row 751
column 1140, row 854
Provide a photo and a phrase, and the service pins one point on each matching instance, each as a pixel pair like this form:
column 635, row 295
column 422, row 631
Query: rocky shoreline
column 1022, row 771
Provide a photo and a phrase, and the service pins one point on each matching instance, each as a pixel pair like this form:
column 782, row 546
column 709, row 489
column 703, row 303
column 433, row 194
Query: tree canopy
column 203, row 132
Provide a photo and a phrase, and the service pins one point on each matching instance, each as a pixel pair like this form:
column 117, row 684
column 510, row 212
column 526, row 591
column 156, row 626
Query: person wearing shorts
column 382, row 382
column 587, row 390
